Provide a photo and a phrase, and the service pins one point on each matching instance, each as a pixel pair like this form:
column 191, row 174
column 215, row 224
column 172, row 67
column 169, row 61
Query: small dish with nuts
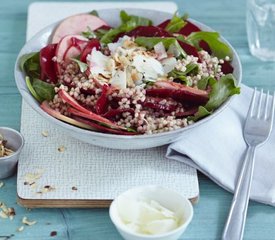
column 11, row 144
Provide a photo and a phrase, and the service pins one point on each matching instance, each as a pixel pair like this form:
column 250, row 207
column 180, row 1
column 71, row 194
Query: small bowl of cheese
column 151, row 212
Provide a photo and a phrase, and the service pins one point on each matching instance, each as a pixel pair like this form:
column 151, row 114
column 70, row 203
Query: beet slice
column 204, row 45
column 156, row 104
column 227, row 67
column 164, row 24
column 189, row 49
column 101, row 104
column 46, row 63
column 188, row 28
column 179, row 92
column 148, row 31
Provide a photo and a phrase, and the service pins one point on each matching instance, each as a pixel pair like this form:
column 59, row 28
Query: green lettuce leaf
column 218, row 48
column 89, row 33
column 31, row 89
column 94, row 12
column 201, row 113
column 44, row 90
column 128, row 23
column 150, row 42
column 134, row 21
column 82, row 66
column 203, row 83
column 30, row 64
column 191, row 68
column 221, row 90
column 175, row 24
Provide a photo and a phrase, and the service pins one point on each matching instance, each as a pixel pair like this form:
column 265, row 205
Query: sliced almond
column 26, row 221
column 20, row 229
column 45, row 133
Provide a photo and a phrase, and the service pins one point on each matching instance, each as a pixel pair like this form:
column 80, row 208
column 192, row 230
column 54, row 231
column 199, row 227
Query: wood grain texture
column 226, row 16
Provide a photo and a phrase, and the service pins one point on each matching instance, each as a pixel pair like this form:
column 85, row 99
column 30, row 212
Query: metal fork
column 257, row 130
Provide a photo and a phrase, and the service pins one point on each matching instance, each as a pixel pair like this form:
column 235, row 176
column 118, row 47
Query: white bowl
column 110, row 140
column 167, row 198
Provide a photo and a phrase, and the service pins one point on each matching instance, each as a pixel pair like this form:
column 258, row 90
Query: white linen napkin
column 217, row 149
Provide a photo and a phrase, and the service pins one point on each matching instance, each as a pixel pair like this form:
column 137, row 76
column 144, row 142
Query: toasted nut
column 3, row 214
column 45, row 133
column 20, row 229
column 28, row 222
column 61, row 148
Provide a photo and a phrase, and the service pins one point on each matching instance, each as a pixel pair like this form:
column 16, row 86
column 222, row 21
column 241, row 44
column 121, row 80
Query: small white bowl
column 15, row 141
column 168, row 198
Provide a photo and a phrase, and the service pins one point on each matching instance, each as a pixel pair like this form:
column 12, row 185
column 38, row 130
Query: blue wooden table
column 227, row 17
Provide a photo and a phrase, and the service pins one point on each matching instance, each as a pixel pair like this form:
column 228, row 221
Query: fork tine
column 252, row 104
column 260, row 104
column 266, row 105
column 272, row 108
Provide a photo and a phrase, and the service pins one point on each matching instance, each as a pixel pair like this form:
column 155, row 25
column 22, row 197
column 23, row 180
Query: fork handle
column 235, row 223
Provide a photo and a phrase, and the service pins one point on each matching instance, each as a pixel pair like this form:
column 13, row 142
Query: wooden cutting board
column 84, row 175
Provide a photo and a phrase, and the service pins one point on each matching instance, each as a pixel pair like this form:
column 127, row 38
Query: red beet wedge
column 46, row 63
column 178, row 92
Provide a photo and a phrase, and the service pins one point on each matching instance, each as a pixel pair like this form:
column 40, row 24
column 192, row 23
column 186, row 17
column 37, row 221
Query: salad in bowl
column 137, row 78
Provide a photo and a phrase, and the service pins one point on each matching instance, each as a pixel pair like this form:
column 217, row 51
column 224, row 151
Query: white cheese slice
column 119, row 79
column 148, row 66
column 113, row 46
column 160, row 226
column 169, row 64
column 98, row 62
column 128, row 210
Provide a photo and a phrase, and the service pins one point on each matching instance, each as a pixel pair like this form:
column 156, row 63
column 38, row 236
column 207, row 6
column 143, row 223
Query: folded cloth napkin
column 217, row 149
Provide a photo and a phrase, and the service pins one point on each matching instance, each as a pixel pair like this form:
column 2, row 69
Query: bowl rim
column 78, row 130
column 18, row 150
column 144, row 236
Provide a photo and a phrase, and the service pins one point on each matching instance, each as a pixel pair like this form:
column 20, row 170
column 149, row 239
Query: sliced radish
column 104, row 129
column 72, row 52
column 46, row 107
column 63, row 49
column 71, row 101
column 76, row 24
column 97, row 118
column 83, row 112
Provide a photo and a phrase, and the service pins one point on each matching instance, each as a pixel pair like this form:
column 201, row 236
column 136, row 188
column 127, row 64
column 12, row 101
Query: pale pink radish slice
column 71, row 101
column 94, row 117
column 83, row 112
column 46, row 107
column 72, row 52
column 65, row 44
column 75, row 25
